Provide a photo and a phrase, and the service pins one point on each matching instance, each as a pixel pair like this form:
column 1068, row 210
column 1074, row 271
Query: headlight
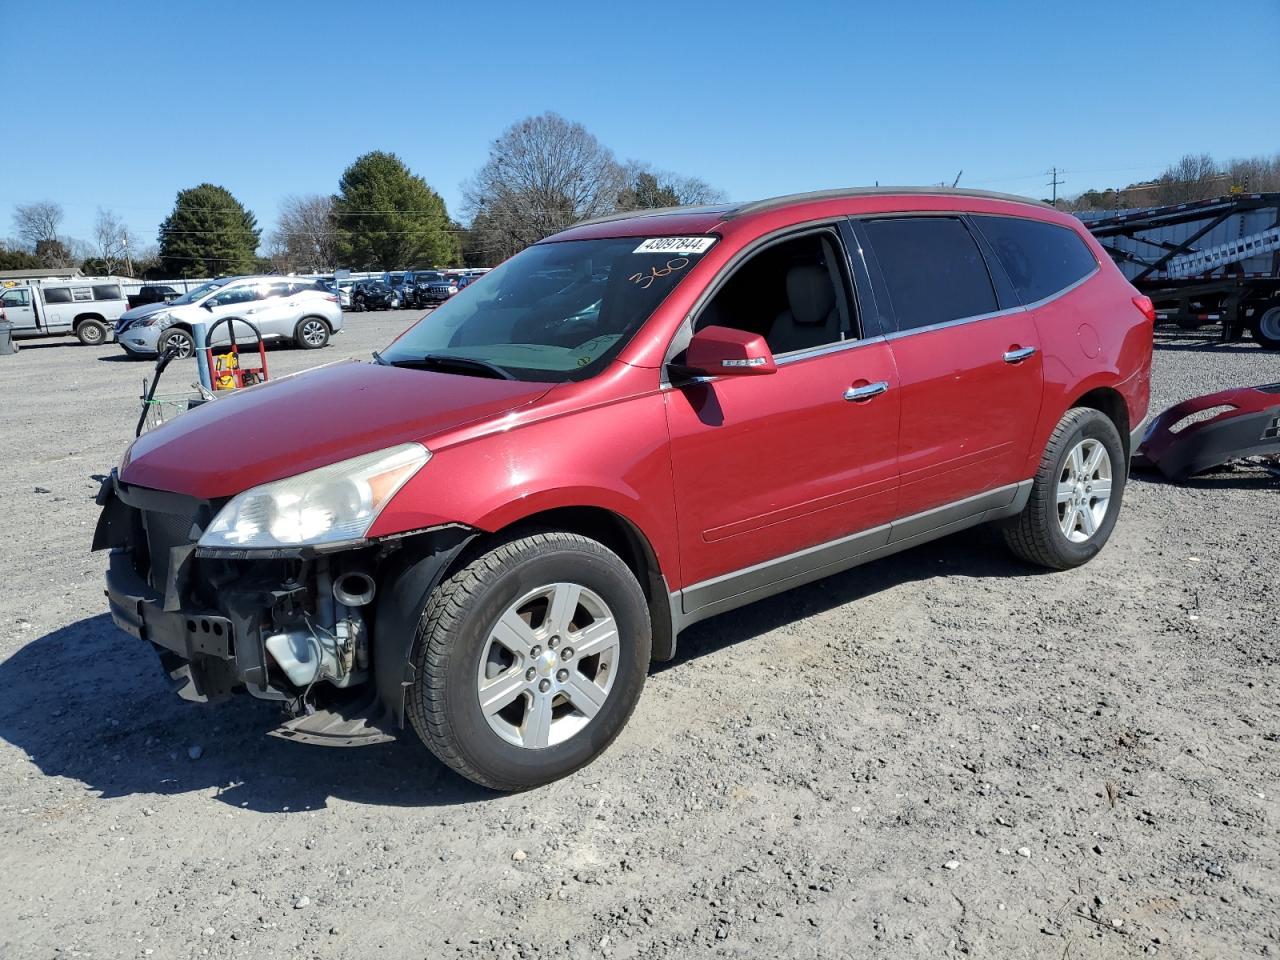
column 151, row 319
column 334, row 504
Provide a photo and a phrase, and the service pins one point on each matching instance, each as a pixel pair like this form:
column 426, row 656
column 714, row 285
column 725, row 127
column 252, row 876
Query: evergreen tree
column 208, row 234
column 387, row 217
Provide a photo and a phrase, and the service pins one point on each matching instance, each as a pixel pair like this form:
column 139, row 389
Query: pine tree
column 387, row 217
column 209, row 234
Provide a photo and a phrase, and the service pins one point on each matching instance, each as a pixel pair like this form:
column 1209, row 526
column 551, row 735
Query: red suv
column 631, row 426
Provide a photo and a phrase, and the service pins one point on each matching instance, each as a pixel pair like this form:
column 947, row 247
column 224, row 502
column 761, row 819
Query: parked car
column 374, row 295
column 282, row 308
column 428, row 287
column 86, row 307
column 782, row 390
column 152, row 293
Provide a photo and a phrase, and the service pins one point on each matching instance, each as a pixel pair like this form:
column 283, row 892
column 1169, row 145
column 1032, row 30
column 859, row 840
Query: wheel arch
column 619, row 534
column 1111, row 403
column 81, row 318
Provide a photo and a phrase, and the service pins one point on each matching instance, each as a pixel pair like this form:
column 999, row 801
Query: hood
column 137, row 313
column 288, row 426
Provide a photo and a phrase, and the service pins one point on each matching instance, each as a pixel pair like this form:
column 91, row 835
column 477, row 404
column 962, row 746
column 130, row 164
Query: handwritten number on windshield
column 646, row 279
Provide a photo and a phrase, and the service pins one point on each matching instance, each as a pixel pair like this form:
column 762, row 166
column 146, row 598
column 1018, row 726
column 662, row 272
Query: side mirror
column 209, row 304
column 723, row 352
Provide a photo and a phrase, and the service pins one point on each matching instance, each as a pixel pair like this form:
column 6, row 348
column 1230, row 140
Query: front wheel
column 312, row 333
column 529, row 660
column 1075, row 496
column 179, row 340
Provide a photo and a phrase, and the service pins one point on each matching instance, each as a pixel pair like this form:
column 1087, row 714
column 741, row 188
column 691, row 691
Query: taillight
column 1147, row 307
column 333, row 298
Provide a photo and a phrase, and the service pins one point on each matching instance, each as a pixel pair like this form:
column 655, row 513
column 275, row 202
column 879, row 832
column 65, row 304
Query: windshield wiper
column 445, row 361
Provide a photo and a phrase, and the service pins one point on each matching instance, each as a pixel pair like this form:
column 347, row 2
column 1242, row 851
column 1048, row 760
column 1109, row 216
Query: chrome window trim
column 959, row 322
column 1036, row 304
column 839, row 346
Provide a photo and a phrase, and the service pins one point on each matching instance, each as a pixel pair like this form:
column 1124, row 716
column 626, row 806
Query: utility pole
column 1055, row 183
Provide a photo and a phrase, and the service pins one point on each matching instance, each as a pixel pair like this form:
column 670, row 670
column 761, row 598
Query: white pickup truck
column 86, row 307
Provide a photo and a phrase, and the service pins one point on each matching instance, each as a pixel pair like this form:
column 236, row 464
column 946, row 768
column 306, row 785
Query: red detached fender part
column 1247, row 425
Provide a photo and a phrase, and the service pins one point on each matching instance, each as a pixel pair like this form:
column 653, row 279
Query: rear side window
column 106, row 291
column 57, row 295
column 933, row 270
column 81, row 293
column 1040, row 258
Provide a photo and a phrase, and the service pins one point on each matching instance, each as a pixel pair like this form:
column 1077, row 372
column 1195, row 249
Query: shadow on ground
column 979, row 552
column 91, row 704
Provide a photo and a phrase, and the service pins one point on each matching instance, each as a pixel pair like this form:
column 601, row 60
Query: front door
column 15, row 304
column 769, row 469
column 971, row 370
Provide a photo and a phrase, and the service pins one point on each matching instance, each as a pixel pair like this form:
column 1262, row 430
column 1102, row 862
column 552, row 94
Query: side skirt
column 736, row 589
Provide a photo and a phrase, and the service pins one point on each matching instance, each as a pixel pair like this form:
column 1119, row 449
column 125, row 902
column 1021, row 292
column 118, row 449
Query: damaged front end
column 1206, row 432
column 327, row 634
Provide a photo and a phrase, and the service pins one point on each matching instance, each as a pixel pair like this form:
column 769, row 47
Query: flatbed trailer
column 1205, row 261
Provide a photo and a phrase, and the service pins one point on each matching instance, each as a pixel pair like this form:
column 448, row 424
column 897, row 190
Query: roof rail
column 775, row 202
column 693, row 208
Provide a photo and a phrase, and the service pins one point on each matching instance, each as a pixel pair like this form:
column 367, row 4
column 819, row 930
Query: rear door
column 968, row 356
column 16, row 305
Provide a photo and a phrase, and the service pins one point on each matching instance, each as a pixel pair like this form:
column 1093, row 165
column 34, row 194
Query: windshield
column 428, row 278
column 555, row 312
column 191, row 296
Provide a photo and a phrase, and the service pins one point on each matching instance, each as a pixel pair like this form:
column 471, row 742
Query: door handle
column 1017, row 356
column 867, row 391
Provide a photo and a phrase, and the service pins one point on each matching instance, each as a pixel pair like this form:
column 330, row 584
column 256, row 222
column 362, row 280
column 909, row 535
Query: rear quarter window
column 106, row 291
column 1041, row 259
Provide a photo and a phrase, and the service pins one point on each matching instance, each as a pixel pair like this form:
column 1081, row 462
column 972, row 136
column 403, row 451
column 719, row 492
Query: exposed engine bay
column 296, row 627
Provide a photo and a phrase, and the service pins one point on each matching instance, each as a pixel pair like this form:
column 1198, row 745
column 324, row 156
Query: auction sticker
column 676, row 245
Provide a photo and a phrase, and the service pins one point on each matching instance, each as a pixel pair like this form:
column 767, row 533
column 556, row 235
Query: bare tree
column 305, row 235
column 113, row 240
column 543, row 174
column 1194, row 177
column 37, row 222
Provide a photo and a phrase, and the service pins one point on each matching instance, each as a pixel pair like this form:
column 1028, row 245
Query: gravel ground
column 942, row 753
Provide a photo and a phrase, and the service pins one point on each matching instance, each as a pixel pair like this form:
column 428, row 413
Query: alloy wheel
column 314, row 333
column 548, row 665
column 1084, row 490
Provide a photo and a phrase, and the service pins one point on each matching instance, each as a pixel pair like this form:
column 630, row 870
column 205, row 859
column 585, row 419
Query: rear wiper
column 445, row 361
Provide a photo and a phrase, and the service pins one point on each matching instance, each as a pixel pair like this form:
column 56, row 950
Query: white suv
column 282, row 308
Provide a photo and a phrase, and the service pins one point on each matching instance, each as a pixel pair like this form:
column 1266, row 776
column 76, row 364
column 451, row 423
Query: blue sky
column 124, row 104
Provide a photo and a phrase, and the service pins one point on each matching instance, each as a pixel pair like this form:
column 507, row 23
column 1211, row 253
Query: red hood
column 294, row 424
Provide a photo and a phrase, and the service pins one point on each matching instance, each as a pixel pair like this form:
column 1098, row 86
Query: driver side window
column 793, row 293
column 235, row 295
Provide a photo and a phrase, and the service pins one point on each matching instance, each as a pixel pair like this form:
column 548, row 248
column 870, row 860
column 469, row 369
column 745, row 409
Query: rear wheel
column 1266, row 327
column 1076, row 493
column 178, row 339
column 312, row 333
column 529, row 660
column 91, row 333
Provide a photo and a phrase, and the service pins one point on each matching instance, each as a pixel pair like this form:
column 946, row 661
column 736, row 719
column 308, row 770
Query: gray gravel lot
column 940, row 754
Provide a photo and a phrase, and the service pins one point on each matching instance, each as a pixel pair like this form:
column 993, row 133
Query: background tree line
column 1194, row 177
column 542, row 175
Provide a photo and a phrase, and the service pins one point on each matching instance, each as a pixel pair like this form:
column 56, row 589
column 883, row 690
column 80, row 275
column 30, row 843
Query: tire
column 92, row 333
column 357, row 306
column 312, row 333
column 1266, row 326
column 1039, row 534
column 461, row 645
column 176, row 336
